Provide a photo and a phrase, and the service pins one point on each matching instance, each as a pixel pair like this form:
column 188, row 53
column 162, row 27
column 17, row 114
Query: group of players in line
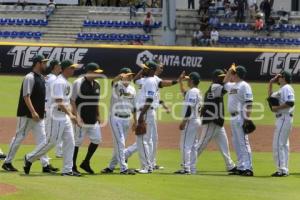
column 60, row 113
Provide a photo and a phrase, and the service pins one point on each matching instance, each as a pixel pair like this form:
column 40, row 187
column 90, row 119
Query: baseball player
column 55, row 70
column 190, row 124
column 139, row 81
column 240, row 100
column 2, row 155
column 85, row 105
column 59, row 126
column 146, row 109
column 284, row 121
column 30, row 113
column 212, row 114
column 122, row 105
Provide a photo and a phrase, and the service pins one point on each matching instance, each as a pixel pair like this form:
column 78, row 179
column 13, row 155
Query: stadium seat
column 6, row 34
column 37, row 35
column 20, row 22
column 3, row 21
column 28, row 35
column 14, row 34
column 11, row 21
column 86, row 23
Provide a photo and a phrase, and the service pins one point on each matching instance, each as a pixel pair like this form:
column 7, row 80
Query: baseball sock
column 75, row 156
column 91, row 150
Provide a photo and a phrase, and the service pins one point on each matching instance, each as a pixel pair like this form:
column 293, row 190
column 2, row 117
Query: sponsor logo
column 274, row 63
column 23, row 55
column 170, row 60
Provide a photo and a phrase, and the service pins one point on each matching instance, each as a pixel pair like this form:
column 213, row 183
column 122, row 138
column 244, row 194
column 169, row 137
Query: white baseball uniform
column 59, row 127
column 49, row 79
column 121, row 107
column 189, row 136
column 26, row 124
column 149, row 90
column 239, row 94
column 284, row 123
column 212, row 130
column 133, row 148
column 92, row 130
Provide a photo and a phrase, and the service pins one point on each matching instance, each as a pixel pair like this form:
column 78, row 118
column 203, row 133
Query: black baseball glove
column 272, row 101
column 249, row 126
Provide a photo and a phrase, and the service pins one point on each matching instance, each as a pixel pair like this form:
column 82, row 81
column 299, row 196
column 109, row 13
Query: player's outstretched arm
column 138, row 76
column 180, row 80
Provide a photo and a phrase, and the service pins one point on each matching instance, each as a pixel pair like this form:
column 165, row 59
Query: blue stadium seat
column 3, row 21
column 14, row 34
column 140, row 24
column 19, row 22
column 145, row 38
column 28, row 22
column 121, row 37
column 43, row 22
column 28, row 35
column 96, row 37
column 89, row 36
column 11, row 21
column 157, row 24
column 6, row 34
column 102, row 23
column 118, row 24
column 137, row 37
column 87, row 23
column 21, row 34
column 109, row 24
column 37, row 35
column 80, row 36
column 94, row 23
column 129, row 37
column 36, row 22
column 104, row 37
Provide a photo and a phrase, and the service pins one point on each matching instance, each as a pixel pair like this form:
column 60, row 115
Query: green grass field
column 211, row 182
column 9, row 93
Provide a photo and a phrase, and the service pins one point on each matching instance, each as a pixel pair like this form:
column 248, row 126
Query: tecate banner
column 72, row 2
column 261, row 66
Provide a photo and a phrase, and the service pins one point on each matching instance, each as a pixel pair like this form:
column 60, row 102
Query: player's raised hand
column 275, row 78
column 181, row 77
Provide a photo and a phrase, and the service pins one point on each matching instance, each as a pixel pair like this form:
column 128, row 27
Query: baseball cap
column 53, row 63
column 218, row 73
column 287, row 76
column 94, row 67
column 67, row 63
column 126, row 70
column 39, row 58
column 194, row 76
column 150, row 65
column 241, row 71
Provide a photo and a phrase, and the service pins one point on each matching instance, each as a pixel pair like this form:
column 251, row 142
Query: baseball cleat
column 59, row 156
column 157, row 167
column 107, row 171
column 279, row 174
column 27, row 165
column 71, row 174
column 128, row 172
column 86, row 167
column 247, row 172
column 236, row 172
column 9, row 167
column 183, row 172
column 50, row 169
column 144, row 171
column 233, row 170
column 74, row 169
column 2, row 156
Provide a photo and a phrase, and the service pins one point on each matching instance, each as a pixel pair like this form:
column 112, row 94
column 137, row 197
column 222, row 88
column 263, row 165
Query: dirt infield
column 261, row 140
column 7, row 189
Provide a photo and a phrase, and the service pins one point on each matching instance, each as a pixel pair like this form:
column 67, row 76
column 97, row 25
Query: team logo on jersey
column 248, row 96
column 290, row 97
column 150, row 93
column 192, row 100
column 233, row 91
column 67, row 90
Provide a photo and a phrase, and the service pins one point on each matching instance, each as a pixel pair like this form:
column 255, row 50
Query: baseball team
column 60, row 114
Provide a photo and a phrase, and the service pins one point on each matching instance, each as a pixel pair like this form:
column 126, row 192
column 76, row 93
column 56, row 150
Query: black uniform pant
column 88, row 3
column 191, row 4
column 240, row 14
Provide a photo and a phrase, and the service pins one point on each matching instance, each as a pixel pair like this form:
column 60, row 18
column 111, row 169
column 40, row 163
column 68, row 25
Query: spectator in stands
column 283, row 16
column 266, row 7
column 148, row 22
column 214, row 37
column 50, row 8
column 203, row 6
column 137, row 5
column 205, row 40
column 214, row 21
column 227, row 7
column 191, row 4
column 269, row 25
column 204, row 22
column 197, row 36
column 253, row 9
column 241, row 6
column 136, row 42
column 259, row 24
column 88, row 3
column 22, row 3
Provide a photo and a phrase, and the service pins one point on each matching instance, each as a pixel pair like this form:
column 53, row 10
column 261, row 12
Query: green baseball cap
column 39, row 58
column 241, row 71
column 150, row 65
column 287, row 76
column 218, row 73
column 53, row 63
column 126, row 70
column 194, row 76
column 68, row 63
column 94, row 67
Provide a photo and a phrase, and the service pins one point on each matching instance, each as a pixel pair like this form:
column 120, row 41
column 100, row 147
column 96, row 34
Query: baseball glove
column 272, row 101
column 248, row 126
column 141, row 128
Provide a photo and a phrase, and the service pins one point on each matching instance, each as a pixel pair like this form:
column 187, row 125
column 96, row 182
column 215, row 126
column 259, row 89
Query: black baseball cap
column 94, row 67
column 195, row 77
column 68, row 63
column 126, row 70
column 287, row 76
column 39, row 58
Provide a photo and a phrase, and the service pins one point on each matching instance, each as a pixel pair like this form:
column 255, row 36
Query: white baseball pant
column 213, row 131
column 188, row 145
column 57, row 130
column 241, row 143
column 24, row 125
column 59, row 149
column 92, row 130
column 120, row 128
column 145, row 142
column 281, row 142
column 130, row 150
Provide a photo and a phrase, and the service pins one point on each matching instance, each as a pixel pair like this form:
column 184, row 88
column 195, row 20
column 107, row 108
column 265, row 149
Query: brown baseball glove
column 141, row 128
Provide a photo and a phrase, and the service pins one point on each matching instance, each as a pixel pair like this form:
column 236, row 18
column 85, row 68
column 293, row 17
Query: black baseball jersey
column 213, row 109
column 86, row 96
column 33, row 85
